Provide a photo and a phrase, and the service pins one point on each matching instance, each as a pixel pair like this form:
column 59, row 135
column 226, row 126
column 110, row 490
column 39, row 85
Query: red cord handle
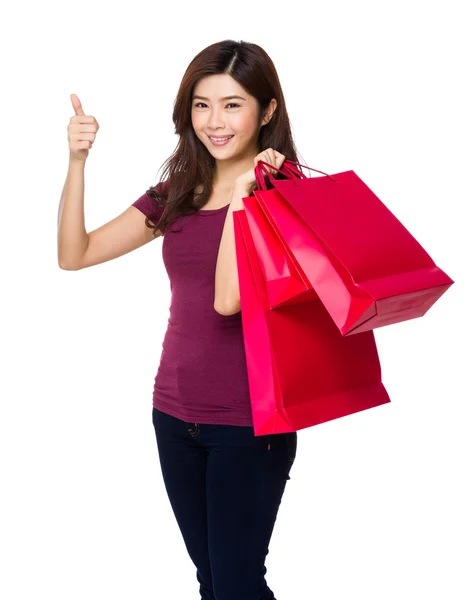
column 260, row 177
column 288, row 169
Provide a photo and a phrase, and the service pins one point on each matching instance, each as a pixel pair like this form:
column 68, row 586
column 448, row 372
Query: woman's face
column 213, row 114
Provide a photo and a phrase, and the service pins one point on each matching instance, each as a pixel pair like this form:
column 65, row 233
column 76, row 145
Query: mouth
column 220, row 141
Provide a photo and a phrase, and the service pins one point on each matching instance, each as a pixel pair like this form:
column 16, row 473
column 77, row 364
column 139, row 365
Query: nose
column 215, row 119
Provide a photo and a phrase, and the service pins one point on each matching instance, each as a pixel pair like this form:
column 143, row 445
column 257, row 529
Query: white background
column 374, row 508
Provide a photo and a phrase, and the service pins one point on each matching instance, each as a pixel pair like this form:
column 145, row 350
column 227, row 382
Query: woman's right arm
column 78, row 249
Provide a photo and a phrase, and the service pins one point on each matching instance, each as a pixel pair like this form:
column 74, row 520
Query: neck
column 226, row 172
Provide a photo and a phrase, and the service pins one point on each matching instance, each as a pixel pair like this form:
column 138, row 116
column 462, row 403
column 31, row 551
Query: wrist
column 76, row 162
column 241, row 188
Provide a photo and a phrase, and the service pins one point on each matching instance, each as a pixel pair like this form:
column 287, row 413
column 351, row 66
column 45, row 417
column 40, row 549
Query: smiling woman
column 229, row 111
column 224, row 483
column 222, row 97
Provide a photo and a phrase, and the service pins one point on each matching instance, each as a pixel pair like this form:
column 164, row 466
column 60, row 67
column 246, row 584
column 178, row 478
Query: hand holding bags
column 342, row 241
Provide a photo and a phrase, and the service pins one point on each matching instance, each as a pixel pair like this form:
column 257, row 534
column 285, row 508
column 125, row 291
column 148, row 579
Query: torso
column 202, row 349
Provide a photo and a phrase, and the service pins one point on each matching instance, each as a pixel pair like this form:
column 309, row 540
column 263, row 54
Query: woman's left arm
column 227, row 296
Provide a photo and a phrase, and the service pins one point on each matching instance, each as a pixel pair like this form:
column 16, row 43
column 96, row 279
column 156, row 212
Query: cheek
column 244, row 124
column 197, row 121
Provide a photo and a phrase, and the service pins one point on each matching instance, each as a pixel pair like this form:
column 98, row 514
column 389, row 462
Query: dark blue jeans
column 225, row 486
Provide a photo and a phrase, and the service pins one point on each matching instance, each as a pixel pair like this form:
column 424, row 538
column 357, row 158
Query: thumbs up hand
column 82, row 131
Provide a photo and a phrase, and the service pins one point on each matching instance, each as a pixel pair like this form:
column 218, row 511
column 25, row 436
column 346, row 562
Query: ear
column 268, row 113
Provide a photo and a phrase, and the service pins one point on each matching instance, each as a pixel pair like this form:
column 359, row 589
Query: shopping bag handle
column 288, row 169
column 260, row 177
column 290, row 165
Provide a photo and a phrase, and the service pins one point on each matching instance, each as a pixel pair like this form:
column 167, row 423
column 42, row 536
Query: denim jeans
column 225, row 486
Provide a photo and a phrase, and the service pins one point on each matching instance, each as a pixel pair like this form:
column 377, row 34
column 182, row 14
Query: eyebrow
column 224, row 98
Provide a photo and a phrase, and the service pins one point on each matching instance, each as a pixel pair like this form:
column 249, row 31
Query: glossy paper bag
column 344, row 243
column 301, row 370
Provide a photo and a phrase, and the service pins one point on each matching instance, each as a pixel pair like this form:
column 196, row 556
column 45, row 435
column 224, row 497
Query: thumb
column 78, row 109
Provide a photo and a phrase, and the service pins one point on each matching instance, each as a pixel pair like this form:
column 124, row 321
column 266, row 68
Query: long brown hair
column 191, row 162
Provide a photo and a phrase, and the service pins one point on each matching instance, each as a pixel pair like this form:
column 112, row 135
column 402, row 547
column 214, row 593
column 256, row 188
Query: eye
column 229, row 104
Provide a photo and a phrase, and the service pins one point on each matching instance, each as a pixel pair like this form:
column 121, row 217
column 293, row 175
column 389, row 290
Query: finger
column 268, row 157
column 279, row 158
column 271, row 160
column 78, row 109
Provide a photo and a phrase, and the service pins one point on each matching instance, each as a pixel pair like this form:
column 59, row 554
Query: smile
column 220, row 141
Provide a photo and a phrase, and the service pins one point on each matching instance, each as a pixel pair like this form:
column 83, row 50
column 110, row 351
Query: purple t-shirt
column 202, row 375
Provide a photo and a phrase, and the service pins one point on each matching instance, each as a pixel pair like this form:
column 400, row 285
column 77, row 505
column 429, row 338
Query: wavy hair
column 191, row 162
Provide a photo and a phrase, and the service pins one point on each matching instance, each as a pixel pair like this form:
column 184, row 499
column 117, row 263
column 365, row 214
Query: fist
column 82, row 131
column 248, row 179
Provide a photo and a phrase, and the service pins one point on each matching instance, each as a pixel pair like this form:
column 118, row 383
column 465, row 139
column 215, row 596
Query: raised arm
column 78, row 249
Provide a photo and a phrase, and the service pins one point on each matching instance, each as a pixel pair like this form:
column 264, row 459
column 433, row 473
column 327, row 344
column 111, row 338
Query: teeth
column 220, row 139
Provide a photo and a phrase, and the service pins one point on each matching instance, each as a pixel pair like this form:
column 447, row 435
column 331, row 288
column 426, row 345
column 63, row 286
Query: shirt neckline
column 211, row 211
column 205, row 212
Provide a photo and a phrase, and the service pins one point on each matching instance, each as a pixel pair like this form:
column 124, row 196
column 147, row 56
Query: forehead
column 218, row 87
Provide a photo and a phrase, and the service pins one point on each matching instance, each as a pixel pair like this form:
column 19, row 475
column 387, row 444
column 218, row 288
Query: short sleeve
column 149, row 206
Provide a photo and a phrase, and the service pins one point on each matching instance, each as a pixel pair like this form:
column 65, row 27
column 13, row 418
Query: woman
column 224, row 483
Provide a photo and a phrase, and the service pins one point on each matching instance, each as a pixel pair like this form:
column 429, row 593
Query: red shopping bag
column 344, row 243
column 301, row 370
column 284, row 283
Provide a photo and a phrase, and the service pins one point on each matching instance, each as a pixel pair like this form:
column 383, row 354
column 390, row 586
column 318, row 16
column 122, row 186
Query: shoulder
column 159, row 192
column 154, row 199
